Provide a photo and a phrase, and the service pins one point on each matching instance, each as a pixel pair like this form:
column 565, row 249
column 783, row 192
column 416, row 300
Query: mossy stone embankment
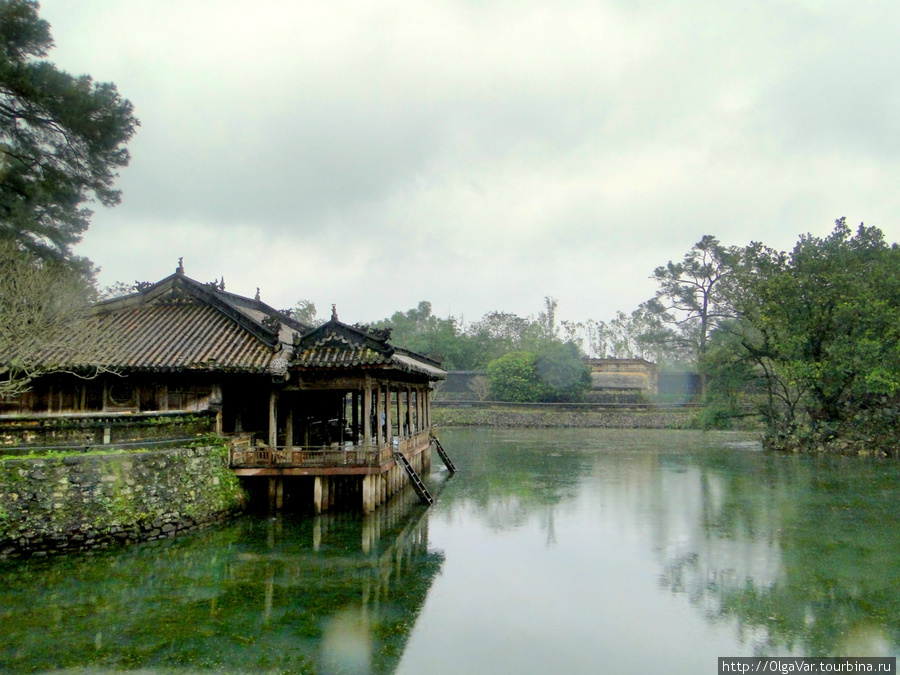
column 77, row 501
column 555, row 417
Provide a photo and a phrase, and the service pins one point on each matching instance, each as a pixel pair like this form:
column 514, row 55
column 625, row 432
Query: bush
column 513, row 377
column 559, row 366
column 556, row 373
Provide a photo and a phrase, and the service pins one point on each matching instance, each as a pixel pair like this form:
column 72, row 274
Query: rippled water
column 550, row 551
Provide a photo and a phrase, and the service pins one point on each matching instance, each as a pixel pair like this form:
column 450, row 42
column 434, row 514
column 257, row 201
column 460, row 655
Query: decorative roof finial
column 334, row 312
column 257, row 294
column 180, row 268
column 222, row 283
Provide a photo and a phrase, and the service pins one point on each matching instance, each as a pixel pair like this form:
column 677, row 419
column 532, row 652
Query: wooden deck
column 248, row 460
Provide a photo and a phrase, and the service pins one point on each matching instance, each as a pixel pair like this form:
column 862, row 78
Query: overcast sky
column 482, row 154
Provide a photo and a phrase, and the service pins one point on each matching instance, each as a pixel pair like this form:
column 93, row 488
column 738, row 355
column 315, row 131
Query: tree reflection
column 290, row 596
column 810, row 563
column 799, row 554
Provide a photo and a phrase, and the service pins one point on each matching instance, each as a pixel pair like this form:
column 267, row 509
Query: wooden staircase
column 443, row 453
column 421, row 490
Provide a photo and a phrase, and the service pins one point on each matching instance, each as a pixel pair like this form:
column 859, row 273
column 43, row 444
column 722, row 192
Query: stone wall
column 94, row 501
column 499, row 415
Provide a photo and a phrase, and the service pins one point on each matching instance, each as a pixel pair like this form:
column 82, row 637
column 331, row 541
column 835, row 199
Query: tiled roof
column 180, row 337
column 337, row 345
column 181, row 324
column 336, row 351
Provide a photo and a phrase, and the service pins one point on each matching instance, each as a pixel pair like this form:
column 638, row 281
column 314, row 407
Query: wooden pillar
column 379, row 410
column 367, row 414
column 354, row 416
column 409, row 411
column 273, row 419
column 420, row 417
column 368, row 493
column 388, row 428
column 216, row 394
column 427, row 406
column 279, row 493
column 342, row 418
column 289, row 429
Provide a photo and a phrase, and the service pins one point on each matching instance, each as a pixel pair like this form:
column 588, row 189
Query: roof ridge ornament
column 257, row 298
column 217, row 284
column 334, row 316
column 180, row 268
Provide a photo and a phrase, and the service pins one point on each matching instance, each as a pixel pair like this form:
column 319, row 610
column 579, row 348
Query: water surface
column 550, row 551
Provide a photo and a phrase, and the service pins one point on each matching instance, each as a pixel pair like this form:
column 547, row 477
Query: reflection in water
column 777, row 554
column 334, row 594
column 551, row 551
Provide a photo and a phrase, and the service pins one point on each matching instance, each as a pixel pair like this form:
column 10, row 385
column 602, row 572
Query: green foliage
column 639, row 335
column 821, row 327
column 421, row 331
column 304, row 311
column 62, row 139
column 514, row 377
column 560, row 367
column 472, row 347
column 734, row 384
column 555, row 373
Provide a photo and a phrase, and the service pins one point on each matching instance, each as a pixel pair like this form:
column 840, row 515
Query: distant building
column 624, row 376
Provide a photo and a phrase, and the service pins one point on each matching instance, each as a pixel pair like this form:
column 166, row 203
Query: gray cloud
column 482, row 155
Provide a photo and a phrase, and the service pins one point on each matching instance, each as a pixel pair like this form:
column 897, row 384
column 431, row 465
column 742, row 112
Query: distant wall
column 456, row 386
column 681, row 386
column 94, row 501
column 550, row 416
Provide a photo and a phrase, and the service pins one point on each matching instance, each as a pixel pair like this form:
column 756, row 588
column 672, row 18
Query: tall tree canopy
column 821, row 327
column 62, row 139
column 689, row 294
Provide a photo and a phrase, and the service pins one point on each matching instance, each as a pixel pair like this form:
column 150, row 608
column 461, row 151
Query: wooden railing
column 243, row 454
column 409, row 443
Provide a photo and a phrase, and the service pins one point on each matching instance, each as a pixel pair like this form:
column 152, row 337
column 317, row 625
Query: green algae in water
column 551, row 550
